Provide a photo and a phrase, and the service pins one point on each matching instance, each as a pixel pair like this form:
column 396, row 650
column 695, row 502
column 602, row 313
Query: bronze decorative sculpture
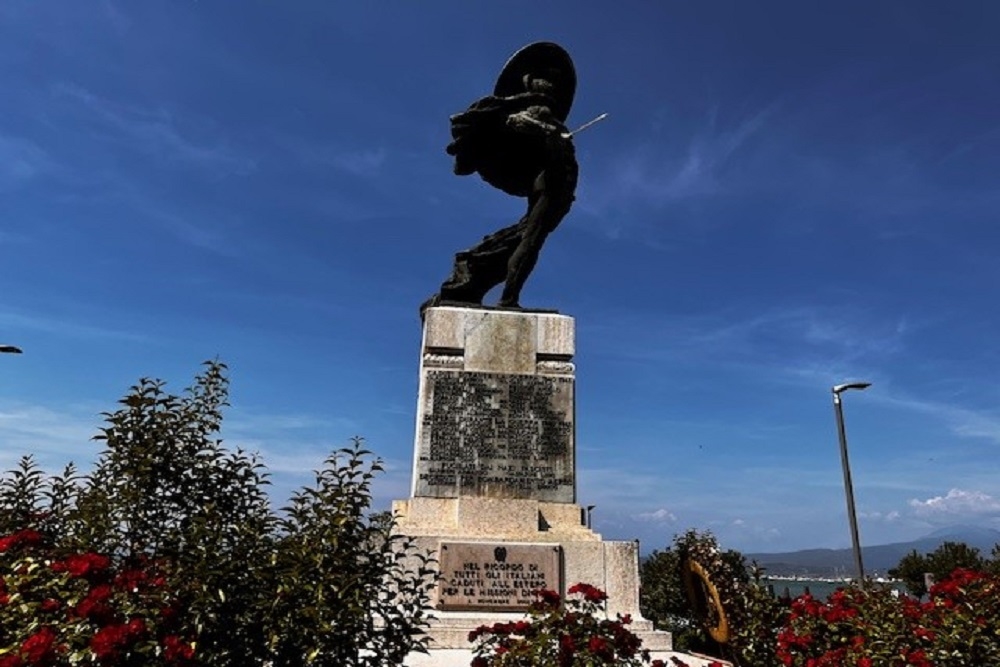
column 517, row 141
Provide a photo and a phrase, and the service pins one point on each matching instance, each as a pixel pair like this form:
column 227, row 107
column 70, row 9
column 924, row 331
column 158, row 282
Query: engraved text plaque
column 496, row 576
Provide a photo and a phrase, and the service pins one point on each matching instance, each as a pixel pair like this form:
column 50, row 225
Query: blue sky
column 785, row 196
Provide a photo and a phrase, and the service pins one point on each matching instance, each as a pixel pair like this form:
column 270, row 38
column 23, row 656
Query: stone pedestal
column 494, row 477
column 495, row 414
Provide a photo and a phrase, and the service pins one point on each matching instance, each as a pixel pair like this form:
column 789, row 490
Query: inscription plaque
column 496, row 434
column 479, row 576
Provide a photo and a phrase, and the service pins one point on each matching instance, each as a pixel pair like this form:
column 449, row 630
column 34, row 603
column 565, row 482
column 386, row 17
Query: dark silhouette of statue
column 517, row 142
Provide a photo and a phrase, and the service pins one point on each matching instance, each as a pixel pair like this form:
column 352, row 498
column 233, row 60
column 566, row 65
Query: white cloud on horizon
column 956, row 503
column 890, row 516
column 662, row 515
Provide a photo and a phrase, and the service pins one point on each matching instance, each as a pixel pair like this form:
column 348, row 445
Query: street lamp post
column 10, row 349
column 848, row 486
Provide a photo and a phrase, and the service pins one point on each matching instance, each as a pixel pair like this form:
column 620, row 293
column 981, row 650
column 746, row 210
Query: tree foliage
column 326, row 582
column 753, row 614
column 939, row 563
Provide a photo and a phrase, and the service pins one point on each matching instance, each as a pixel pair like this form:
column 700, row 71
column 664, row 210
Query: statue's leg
column 548, row 205
column 481, row 268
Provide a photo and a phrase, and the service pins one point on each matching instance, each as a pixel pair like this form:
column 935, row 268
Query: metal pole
column 848, row 487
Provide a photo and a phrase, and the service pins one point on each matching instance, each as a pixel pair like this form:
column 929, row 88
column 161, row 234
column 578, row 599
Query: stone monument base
column 516, row 525
column 494, row 479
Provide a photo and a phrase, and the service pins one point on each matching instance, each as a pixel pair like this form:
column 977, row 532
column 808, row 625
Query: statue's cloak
column 483, row 142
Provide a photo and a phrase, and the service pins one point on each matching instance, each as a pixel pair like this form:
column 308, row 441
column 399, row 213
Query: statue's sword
column 567, row 135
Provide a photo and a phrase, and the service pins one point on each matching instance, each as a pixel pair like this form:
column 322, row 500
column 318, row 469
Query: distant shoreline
column 826, row 580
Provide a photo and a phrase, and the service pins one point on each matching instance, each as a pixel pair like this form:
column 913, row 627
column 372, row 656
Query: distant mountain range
column 877, row 559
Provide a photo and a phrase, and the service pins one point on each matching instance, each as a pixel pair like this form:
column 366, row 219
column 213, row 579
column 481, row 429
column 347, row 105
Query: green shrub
column 321, row 584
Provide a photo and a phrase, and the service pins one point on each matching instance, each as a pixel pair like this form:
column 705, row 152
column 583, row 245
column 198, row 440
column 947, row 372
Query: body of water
column 818, row 588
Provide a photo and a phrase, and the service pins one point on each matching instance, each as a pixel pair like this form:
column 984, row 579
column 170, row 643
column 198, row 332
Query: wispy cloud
column 797, row 341
column 53, row 437
column 155, row 131
column 64, row 326
column 657, row 173
column 118, row 20
column 189, row 231
column 962, row 421
column 361, row 162
column 56, row 437
column 351, row 159
column 745, row 531
column 890, row 516
column 20, row 161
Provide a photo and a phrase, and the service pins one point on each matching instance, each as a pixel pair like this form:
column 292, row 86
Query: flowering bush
column 561, row 633
column 81, row 608
column 169, row 552
column 873, row 626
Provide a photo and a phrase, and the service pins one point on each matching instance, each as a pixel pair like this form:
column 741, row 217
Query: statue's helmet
column 540, row 60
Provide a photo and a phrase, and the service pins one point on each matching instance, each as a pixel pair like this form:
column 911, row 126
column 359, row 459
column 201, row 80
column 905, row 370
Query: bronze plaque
column 484, row 576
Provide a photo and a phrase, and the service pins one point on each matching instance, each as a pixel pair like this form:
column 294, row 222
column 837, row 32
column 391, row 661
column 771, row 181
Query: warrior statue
column 517, row 142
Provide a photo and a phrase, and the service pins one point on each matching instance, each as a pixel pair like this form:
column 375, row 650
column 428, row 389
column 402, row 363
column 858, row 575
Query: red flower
column 169, row 615
column 130, row 580
column 590, row 593
column 548, row 598
column 176, row 649
column 599, row 647
column 94, row 605
column 136, row 627
column 109, row 641
column 476, row 662
column 50, row 604
column 39, row 647
column 865, row 662
column 10, row 661
column 27, row 537
column 81, row 565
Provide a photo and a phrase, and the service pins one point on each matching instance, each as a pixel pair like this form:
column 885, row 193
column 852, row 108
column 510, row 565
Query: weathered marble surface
column 495, row 414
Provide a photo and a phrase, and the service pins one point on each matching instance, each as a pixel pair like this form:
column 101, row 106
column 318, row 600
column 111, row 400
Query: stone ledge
column 492, row 518
column 499, row 339
column 452, row 631
column 462, row 658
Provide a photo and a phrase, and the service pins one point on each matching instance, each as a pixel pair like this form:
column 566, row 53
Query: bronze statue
column 517, row 142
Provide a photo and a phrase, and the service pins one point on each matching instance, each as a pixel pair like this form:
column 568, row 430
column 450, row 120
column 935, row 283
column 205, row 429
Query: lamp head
column 850, row 385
